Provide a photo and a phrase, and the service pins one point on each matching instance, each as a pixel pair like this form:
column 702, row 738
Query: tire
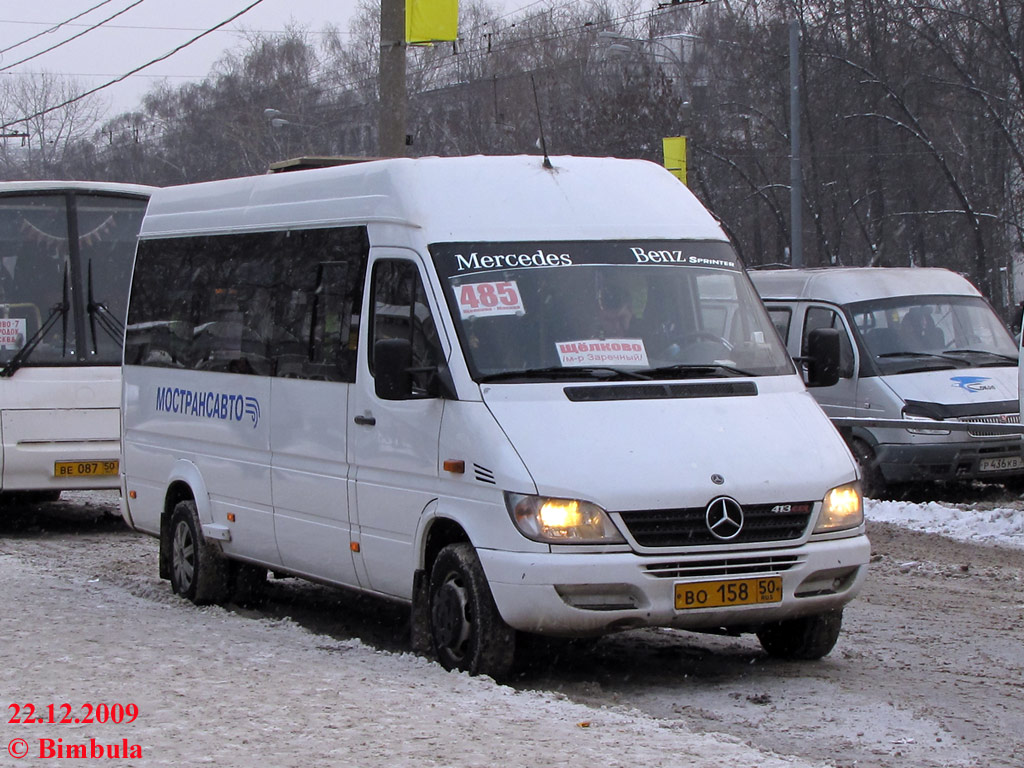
column 466, row 630
column 807, row 638
column 198, row 570
column 872, row 482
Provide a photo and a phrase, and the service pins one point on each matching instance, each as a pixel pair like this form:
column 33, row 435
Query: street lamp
column 623, row 44
column 276, row 121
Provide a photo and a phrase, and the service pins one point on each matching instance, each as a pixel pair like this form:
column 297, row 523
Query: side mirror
column 396, row 379
column 822, row 357
column 392, row 359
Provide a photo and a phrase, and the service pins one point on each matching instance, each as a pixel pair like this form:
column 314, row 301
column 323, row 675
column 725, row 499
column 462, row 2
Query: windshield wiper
column 717, row 370
column 58, row 311
column 1000, row 355
column 603, row 372
column 99, row 312
column 956, row 361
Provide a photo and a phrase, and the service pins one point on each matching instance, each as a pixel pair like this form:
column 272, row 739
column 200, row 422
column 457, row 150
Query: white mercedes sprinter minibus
column 520, row 399
column 920, row 345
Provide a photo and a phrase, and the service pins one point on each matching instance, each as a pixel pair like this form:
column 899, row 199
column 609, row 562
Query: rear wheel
column 804, row 639
column 467, row 631
column 198, row 570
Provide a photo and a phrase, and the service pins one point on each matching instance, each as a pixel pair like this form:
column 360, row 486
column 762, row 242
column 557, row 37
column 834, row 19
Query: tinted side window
column 400, row 310
column 273, row 304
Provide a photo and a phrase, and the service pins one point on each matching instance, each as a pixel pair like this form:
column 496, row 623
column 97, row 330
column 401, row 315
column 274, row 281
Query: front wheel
column 198, row 571
column 467, row 631
column 804, row 639
column 871, row 480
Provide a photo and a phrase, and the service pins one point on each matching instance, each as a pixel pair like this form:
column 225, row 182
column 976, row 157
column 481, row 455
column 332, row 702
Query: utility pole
column 796, row 224
column 391, row 120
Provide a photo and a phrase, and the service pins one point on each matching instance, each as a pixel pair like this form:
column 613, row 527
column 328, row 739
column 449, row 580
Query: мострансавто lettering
column 208, row 405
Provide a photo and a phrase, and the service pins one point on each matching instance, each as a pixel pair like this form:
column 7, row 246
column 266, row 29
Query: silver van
column 918, row 344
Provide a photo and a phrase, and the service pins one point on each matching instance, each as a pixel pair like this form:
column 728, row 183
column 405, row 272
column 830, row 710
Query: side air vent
column 655, row 391
column 483, row 474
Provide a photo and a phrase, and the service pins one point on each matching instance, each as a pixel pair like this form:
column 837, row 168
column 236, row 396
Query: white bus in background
column 521, row 399
column 66, row 250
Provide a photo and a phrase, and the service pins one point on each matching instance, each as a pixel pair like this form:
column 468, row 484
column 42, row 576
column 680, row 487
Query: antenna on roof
column 540, row 125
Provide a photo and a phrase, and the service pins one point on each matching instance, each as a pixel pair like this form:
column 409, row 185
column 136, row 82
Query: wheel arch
column 185, row 483
column 435, row 533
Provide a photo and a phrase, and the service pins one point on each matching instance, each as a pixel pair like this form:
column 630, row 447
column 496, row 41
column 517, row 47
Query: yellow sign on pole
column 675, row 156
column 431, row 21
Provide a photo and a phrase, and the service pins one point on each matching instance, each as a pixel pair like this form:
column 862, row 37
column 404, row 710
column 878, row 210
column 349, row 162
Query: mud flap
column 419, row 619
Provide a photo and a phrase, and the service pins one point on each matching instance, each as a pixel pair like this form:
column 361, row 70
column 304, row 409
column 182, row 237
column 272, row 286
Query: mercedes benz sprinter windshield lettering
column 535, row 407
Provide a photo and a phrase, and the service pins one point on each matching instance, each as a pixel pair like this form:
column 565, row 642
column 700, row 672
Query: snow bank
column 1003, row 526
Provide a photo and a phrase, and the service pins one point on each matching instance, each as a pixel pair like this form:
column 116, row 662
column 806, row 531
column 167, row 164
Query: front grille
column 688, row 527
column 732, row 566
column 1006, row 418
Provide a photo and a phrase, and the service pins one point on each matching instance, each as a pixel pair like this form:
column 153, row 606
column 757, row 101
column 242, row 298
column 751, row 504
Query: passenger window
column 401, row 311
column 281, row 304
column 823, row 317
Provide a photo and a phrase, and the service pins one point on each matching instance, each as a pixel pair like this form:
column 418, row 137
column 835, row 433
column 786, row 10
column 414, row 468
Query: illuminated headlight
column 914, row 417
column 561, row 521
column 843, row 507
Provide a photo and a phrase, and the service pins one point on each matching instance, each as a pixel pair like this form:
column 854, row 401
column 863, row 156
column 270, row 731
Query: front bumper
column 918, row 462
column 571, row 594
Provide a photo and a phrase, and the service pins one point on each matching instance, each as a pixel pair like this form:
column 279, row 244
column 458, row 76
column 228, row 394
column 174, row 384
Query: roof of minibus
column 54, row 185
column 450, row 199
column 846, row 285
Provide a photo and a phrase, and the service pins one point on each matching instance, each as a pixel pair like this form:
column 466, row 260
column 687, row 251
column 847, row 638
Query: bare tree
column 44, row 106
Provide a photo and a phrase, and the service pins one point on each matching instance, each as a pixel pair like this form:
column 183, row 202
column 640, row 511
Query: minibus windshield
column 551, row 311
column 65, row 264
column 915, row 333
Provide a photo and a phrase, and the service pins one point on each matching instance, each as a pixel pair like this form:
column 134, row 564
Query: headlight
column 561, row 521
column 843, row 507
column 914, row 417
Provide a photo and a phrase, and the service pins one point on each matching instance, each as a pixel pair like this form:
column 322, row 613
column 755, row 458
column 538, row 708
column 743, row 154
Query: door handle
column 365, row 421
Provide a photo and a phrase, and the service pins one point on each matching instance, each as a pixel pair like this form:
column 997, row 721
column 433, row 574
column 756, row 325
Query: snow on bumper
column 566, row 594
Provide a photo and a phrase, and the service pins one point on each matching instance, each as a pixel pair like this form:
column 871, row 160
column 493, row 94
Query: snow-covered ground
column 999, row 523
column 86, row 620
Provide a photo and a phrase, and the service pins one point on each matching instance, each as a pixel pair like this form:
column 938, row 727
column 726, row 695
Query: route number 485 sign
column 494, row 298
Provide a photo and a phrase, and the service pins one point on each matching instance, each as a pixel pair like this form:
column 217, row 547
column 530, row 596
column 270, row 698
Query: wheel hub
column 450, row 622
column 183, row 556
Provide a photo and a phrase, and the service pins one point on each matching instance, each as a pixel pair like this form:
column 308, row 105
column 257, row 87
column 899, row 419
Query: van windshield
column 530, row 311
column 915, row 333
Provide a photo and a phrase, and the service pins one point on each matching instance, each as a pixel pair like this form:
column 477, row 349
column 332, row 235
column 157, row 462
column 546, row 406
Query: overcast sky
column 147, row 30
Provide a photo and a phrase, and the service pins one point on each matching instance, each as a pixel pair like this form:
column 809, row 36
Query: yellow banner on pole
column 675, row 156
column 431, row 21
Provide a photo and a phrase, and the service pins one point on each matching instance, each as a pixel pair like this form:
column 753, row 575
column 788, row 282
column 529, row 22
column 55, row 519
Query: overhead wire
column 54, row 28
column 73, row 37
column 128, row 74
